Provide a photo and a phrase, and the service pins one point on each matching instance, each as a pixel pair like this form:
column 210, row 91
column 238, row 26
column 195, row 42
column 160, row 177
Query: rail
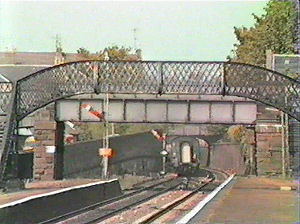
column 107, row 202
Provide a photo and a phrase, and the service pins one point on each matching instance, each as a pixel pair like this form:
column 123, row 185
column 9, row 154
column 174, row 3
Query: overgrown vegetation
column 242, row 136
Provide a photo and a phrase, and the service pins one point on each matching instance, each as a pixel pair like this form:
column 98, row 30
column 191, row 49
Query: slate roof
column 16, row 72
column 34, row 58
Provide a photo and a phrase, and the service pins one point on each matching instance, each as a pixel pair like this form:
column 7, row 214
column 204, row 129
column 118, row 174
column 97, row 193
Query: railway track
column 106, row 209
column 117, row 207
column 170, row 211
column 171, row 206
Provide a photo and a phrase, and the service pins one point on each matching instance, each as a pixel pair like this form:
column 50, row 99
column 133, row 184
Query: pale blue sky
column 166, row 30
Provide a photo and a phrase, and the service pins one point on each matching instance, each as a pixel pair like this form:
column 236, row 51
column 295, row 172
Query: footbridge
column 28, row 94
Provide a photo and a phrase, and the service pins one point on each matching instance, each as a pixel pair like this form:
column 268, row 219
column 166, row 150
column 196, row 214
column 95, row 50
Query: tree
column 275, row 30
column 114, row 52
column 84, row 52
column 245, row 138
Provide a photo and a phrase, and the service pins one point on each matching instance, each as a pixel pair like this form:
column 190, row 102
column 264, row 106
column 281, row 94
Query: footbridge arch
column 200, row 78
column 150, row 77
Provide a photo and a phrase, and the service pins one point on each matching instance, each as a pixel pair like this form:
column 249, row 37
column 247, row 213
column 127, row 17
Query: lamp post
column 106, row 124
column 105, row 139
column 164, row 154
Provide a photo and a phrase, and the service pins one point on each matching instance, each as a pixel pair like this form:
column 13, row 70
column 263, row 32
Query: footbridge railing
column 201, row 78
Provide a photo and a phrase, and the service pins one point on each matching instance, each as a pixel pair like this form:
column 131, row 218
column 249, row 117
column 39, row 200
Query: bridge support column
column 45, row 132
column 59, row 152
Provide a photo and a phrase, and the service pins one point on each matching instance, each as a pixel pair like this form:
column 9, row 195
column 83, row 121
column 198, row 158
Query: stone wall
column 268, row 151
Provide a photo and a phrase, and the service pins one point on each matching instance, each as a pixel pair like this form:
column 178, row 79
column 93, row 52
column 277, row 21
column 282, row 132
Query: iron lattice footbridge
column 155, row 77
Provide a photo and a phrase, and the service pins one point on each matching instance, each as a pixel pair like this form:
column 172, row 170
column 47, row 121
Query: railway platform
column 253, row 200
column 37, row 188
column 41, row 187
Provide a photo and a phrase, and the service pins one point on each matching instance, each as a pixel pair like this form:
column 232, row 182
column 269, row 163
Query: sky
column 193, row 31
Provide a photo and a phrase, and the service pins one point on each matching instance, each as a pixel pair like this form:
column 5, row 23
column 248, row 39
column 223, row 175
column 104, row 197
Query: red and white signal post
column 105, row 151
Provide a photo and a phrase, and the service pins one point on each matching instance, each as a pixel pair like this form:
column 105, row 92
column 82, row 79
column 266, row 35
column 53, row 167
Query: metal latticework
column 7, row 123
column 5, row 93
column 263, row 85
column 202, row 78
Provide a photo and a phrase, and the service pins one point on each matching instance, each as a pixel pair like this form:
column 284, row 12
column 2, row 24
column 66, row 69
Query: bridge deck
column 147, row 108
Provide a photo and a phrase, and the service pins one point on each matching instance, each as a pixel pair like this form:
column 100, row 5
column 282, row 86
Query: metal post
column 164, row 165
column 164, row 157
column 106, row 139
column 255, row 152
column 112, row 129
column 164, row 154
column 283, row 145
column 287, row 148
column 223, row 81
column 161, row 84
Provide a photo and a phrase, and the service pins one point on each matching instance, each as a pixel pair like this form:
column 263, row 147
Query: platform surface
column 42, row 187
column 253, row 200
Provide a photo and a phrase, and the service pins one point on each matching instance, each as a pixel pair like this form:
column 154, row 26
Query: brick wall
column 44, row 133
column 268, row 140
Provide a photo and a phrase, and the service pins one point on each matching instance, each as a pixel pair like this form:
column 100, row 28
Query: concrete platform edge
column 42, row 207
column 202, row 203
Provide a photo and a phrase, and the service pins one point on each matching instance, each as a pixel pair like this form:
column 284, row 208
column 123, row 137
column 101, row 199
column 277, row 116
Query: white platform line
column 52, row 193
column 185, row 219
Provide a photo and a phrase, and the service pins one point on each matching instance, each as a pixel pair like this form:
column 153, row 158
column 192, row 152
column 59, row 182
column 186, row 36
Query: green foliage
column 126, row 129
column 275, row 30
column 217, row 130
column 84, row 52
column 114, row 52
column 58, row 44
column 241, row 135
column 91, row 131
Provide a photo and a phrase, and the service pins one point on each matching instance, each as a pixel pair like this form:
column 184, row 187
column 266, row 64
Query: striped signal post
column 105, row 151
column 162, row 138
column 92, row 111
